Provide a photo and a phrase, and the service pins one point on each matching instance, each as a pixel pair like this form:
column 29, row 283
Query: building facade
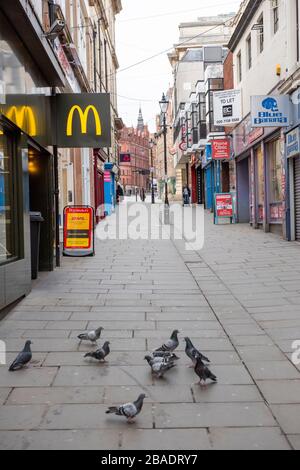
column 35, row 175
column 135, row 142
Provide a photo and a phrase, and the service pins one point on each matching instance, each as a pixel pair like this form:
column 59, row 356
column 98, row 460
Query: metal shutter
column 297, row 196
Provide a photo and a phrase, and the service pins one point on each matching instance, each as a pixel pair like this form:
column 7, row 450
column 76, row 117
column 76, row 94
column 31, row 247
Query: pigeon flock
column 161, row 361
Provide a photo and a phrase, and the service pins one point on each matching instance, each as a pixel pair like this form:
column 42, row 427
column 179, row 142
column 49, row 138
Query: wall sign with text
column 221, row 149
column 227, row 107
column 270, row 111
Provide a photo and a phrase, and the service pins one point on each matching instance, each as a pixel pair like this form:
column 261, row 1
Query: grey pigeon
column 92, row 336
column 203, row 372
column 193, row 353
column 171, row 344
column 100, row 354
column 23, row 358
column 165, row 355
column 130, row 410
column 159, row 368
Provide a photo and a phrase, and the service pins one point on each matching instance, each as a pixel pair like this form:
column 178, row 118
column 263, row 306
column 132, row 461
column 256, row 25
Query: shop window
column 275, row 171
column 260, row 183
column 8, row 222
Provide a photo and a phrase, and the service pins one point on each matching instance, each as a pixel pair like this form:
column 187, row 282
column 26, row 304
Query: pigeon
column 23, row 358
column 92, row 336
column 171, row 344
column 203, row 372
column 130, row 410
column 101, row 354
column 193, row 353
column 159, row 368
column 165, row 355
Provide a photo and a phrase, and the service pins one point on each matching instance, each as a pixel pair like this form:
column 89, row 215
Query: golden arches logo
column 83, row 116
column 24, row 118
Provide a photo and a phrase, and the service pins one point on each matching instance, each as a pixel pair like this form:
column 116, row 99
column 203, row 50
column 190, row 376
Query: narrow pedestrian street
column 238, row 299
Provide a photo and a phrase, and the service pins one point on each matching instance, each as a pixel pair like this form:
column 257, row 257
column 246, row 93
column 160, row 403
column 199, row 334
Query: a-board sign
column 224, row 206
column 78, row 231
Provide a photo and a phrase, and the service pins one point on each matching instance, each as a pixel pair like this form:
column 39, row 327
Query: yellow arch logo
column 24, row 118
column 83, row 116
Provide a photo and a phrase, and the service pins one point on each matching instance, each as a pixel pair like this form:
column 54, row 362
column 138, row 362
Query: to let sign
column 221, row 149
column 224, row 205
column 78, row 231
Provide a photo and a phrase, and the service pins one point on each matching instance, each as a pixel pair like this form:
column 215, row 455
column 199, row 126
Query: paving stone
column 56, row 395
column 281, row 391
column 23, row 325
column 155, row 393
column 43, row 345
column 215, row 344
column 273, row 370
column 20, row 417
column 294, row 441
column 70, row 417
column 67, row 325
column 30, row 377
column 40, row 316
column 213, row 415
column 288, row 417
column 226, row 394
column 248, row 439
column 166, row 439
column 59, row 440
column 4, row 393
column 261, row 353
column 94, row 375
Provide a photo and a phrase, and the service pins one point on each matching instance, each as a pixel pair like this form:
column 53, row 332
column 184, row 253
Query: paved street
column 239, row 301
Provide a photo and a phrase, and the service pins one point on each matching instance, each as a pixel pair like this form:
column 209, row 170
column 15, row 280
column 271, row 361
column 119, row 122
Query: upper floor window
column 239, row 67
column 261, row 35
column 249, row 51
column 276, row 18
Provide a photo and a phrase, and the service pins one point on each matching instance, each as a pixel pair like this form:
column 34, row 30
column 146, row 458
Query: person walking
column 143, row 195
column 186, row 195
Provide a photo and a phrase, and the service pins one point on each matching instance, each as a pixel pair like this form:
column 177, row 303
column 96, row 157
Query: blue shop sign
column 293, row 143
column 270, row 111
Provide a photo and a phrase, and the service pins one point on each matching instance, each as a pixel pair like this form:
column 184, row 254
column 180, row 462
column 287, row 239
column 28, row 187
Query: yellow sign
column 24, row 118
column 78, row 221
column 78, row 243
column 83, row 115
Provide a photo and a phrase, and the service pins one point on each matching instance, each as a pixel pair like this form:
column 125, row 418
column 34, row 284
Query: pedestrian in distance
column 186, row 193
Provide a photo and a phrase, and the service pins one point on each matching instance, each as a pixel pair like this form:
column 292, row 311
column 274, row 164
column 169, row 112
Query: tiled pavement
column 238, row 299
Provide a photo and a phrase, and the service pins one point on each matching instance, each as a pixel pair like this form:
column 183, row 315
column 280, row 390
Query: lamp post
column 152, row 143
column 164, row 104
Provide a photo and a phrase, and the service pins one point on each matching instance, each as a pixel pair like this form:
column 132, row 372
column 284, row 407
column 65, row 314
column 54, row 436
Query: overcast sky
column 145, row 28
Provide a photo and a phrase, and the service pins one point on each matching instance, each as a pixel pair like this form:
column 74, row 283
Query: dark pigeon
column 23, row 358
column 171, row 344
column 101, row 354
column 203, row 372
column 193, row 353
column 159, row 367
column 130, row 410
column 165, row 355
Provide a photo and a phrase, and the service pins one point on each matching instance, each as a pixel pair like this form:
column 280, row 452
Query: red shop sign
column 224, row 205
column 221, row 149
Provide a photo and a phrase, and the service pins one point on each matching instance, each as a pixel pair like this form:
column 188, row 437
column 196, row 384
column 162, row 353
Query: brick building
column 135, row 174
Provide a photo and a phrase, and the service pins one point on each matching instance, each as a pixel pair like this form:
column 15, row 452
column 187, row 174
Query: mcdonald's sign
column 24, row 117
column 83, row 120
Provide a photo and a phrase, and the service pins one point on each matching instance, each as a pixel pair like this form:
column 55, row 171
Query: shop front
column 26, row 164
column 260, row 177
column 293, row 160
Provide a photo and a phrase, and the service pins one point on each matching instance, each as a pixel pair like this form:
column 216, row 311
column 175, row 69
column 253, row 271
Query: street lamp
column 164, row 104
column 151, row 144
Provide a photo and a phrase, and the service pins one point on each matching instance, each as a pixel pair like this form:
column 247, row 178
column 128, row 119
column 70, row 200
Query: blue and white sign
column 270, row 111
column 293, row 143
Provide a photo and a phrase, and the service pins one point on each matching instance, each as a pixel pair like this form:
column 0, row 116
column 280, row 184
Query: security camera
column 56, row 28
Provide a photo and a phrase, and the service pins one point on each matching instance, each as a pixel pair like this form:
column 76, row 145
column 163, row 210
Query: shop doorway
column 243, row 191
column 297, row 197
column 41, row 199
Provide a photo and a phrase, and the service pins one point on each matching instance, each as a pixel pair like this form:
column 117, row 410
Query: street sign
column 221, row 149
column 270, row 111
column 78, row 231
column 82, row 120
column 227, row 107
column 293, row 143
column 224, row 207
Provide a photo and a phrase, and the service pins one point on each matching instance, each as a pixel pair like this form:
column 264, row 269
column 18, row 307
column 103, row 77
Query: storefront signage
column 224, row 207
column 227, row 107
column 83, row 120
column 125, row 157
column 221, row 149
column 270, row 111
column 78, row 231
column 293, row 143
